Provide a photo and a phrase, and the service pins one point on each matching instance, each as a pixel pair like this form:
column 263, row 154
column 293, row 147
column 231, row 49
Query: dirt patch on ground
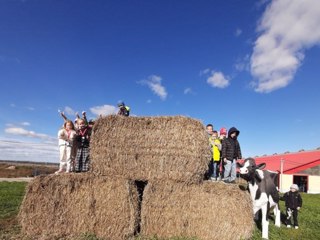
column 28, row 170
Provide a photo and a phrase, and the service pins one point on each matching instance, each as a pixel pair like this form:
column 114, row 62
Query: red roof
column 292, row 162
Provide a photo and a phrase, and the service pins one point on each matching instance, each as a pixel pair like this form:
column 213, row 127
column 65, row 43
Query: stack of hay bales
column 170, row 156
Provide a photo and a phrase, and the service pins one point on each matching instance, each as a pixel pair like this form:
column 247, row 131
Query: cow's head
column 248, row 169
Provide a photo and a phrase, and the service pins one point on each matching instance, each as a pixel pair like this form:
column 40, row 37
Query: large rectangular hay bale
column 70, row 204
column 147, row 148
column 207, row 211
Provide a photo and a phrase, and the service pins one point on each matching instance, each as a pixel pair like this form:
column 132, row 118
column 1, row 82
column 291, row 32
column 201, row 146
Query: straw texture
column 70, row 204
column 206, row 211
column 149, row 148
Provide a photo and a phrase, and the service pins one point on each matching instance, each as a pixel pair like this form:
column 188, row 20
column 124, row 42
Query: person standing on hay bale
column 231, row 151
column 66, row 137
column 83, row 142
column 293, row 203
column 123, row 109
column 209, row 129
column 216, row 148
column 222, row 136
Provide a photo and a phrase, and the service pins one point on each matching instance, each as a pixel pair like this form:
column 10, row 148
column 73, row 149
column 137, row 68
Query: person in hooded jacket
column 230, row 152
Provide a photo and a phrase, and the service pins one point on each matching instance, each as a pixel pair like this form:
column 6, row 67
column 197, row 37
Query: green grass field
column 11, row 195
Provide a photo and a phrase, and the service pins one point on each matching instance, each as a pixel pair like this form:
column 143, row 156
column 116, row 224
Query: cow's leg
column 277, row 215
column 265, row 222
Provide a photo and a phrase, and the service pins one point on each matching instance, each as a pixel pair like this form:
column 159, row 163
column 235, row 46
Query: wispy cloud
column 19, row 131
column 238, row 32
column 25, row 124
column 27, row 151
column 218, row 80
column 287, row 29
column 154, row 82
column 104, row 110
column 188, row 90
column 31, row 108
column 204, row 72
column 69, row 111
column 243, row 64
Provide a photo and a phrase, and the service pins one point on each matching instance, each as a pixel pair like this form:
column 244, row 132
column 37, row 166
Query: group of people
column 74, row 141
column 225, row 150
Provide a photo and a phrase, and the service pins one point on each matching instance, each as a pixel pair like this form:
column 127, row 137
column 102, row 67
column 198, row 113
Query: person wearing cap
column 123, row 109
column 293, row 202
column 230, row 152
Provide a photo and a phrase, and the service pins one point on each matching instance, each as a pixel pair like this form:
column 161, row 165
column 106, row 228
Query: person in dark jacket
column 293, row 202
column 230, row 152
column 82, row 161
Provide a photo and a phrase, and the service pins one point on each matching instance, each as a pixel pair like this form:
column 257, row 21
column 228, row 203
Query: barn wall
column 314, row 184
column 287, row 180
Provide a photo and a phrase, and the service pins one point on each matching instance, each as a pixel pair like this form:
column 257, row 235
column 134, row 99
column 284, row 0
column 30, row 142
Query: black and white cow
column 263, row 190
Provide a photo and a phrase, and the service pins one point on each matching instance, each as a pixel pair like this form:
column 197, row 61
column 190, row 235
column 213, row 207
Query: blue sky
column 249, row 64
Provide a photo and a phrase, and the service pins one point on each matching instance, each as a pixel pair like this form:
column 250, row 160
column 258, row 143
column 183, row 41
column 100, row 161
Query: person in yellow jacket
column 216, row 148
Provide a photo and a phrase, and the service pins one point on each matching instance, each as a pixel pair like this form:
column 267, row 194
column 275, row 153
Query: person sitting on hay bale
column 123, row 109
column 83, row 142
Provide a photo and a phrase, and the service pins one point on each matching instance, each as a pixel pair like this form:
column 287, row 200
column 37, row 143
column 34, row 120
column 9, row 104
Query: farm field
column 11, row 169
column 11, row 195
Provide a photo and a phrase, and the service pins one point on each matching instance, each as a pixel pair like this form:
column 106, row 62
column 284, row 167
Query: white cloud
column 28, row 151
column 31, row 108
column 217, row 79
column 149, row 101
column 238, row 32
column 26, row 133
column 104, row 110
column 287, row 29
column 154, row 83
column 12, row 105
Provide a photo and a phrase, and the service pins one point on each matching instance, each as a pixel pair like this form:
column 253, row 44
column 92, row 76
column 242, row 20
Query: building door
column 302, row 182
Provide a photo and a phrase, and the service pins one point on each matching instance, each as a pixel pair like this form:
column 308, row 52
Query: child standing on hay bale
column 222, row 136
column 230, row 153
column 293, row 202
column 66, row 137
column 216, row 148
column 209, row 129
column 83, row 143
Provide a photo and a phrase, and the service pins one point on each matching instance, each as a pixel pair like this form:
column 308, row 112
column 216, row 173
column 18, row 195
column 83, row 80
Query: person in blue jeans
column 230, row 152
column 216, row 148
